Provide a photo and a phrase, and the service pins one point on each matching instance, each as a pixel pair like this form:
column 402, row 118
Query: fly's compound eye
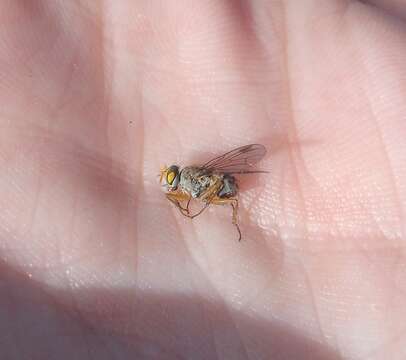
column 172, row 176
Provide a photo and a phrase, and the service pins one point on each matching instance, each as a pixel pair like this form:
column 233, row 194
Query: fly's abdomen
column 229, row 188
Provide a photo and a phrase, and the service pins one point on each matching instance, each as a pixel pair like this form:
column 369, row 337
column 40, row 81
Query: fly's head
column 170, row 176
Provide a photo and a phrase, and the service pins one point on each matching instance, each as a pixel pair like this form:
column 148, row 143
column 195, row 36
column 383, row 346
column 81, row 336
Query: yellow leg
column 234, row 204
column 176, row 198
column 207, row 197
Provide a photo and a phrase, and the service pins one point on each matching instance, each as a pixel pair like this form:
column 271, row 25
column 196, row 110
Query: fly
column 214, row 182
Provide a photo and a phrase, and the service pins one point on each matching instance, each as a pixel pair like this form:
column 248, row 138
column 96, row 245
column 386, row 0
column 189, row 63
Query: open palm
column 97, row 264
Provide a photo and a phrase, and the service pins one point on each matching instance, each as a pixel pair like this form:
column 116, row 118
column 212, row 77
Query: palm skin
column 96, row 263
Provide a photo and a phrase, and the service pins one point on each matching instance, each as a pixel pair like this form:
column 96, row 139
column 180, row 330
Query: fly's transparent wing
column 238, row 161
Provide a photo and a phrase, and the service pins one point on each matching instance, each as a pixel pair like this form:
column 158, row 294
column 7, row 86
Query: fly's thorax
column 195, row 180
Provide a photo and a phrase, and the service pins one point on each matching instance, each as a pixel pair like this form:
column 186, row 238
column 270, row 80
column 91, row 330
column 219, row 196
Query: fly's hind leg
column 235, row 218
column 234, row 204
column 176, row 198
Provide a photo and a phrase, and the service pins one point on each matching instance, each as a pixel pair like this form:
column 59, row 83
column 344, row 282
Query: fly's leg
column 187, row 205
column 175, row 198
column 207, row 197
column 177, row 203
column 234, row 204
column 235, row 218
column 206, row 205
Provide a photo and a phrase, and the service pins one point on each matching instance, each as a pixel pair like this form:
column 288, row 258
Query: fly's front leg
column 234, row 204
column 176, row 197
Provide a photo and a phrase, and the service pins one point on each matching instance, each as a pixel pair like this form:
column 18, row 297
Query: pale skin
column 96, row 263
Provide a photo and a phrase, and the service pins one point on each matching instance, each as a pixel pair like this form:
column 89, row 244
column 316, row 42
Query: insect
column 214, row 182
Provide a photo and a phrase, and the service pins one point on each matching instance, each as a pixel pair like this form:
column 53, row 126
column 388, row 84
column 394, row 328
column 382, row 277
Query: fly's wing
column 238, row 161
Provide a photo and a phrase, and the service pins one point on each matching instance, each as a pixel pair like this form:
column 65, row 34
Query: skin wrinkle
column 384, row 346
column 212, row 337
column 17, row 330
column 86, row 324
column 243, row 345
column 291, row 129
column 337, row 15
column 222, row 301
column 235, row 326
column 34, row 211
column 72, row 222
column 92, row 332
column 319, row 189
column 344, row 11
column 110, row 67
column 394, row 8
column 314, row 305
column 248, row 210
column 54, row 110
column 373, row 117
column 36, row 193
column 390, row 296
column 283, row 194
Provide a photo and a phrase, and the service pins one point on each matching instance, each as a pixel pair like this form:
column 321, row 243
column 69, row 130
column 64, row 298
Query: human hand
column 97, row 264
